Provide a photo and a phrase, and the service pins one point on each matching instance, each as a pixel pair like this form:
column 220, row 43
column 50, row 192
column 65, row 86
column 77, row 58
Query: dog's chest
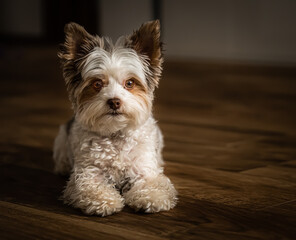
column 111, row 154
column 114, row 157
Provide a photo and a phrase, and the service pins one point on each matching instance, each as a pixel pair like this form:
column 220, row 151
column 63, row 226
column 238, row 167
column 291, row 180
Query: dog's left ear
column 146, row 41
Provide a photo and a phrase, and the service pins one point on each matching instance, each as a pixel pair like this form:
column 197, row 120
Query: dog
column 112, row 146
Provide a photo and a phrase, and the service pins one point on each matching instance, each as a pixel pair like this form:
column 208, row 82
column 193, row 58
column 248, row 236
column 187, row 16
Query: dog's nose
column 114, row 103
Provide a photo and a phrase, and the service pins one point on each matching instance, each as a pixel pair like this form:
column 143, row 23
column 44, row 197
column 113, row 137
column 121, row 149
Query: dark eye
column 129, row 84
column 98, row 84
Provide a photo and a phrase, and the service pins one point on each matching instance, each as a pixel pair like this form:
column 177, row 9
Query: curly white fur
column 104, row 166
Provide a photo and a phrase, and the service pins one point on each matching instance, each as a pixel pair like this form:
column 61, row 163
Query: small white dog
column 112, row 146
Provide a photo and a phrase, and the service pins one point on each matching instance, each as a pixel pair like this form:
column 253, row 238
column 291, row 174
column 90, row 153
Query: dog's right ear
column 78, row 42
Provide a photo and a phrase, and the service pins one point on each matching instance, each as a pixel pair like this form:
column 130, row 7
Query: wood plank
column 37, row 224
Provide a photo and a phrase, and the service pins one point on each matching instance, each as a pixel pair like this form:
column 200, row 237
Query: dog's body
column 112, row 146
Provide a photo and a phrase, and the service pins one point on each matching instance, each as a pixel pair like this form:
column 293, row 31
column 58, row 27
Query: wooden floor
column 230, row 150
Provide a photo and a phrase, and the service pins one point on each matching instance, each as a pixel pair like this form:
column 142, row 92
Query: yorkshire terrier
column 112, row 146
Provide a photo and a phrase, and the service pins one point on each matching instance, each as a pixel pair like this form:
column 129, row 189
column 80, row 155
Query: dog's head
column 111, row 85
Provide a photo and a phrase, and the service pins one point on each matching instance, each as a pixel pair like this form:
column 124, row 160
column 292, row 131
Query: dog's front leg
column 90, row 191
column 152, row 194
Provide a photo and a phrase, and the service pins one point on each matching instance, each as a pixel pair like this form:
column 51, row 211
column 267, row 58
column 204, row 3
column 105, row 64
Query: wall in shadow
column 260, row 31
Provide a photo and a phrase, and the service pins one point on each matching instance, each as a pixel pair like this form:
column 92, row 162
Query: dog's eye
column 98, row 84
column 129, row 84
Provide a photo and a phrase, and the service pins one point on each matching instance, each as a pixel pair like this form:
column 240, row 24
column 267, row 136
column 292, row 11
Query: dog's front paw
column 153, row 195
column 104, row 207
column 93, row 198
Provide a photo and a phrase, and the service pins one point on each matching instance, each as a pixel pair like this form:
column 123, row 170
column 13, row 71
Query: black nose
column 114, row 103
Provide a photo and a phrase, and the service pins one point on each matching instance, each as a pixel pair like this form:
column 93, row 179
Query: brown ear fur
column 78, row 43
column 146, row 41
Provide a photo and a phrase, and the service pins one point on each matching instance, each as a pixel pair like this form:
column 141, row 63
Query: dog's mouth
column 114, row 113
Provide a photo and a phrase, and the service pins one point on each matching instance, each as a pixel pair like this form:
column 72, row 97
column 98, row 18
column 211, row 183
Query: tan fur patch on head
column 87, row 94
column 89, row 91
column 141, row 92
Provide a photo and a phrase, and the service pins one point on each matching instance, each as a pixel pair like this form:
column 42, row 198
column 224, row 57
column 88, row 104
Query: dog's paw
column 104, row 207
column 152, row 196
column 151, row 202
column 93, row 197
